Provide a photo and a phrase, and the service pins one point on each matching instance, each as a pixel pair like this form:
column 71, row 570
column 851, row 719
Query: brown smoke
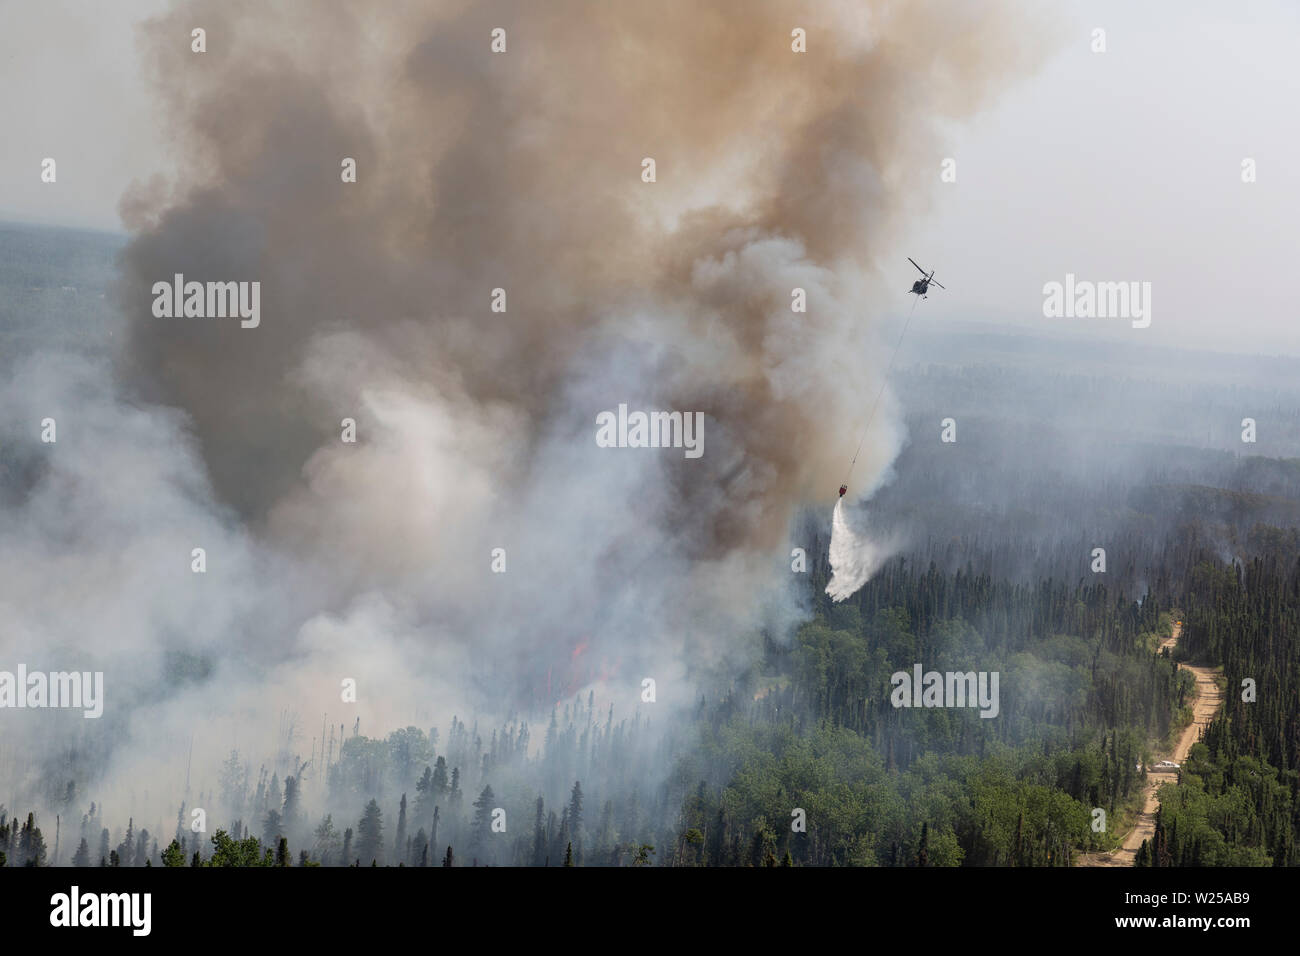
column 328, row 561
column 522, row 171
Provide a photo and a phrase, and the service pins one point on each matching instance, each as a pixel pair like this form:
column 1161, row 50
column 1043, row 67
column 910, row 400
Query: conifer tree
column 575, row 815
column 292, row 811
column 173, row 855
column 272, row 827
column 539, row 834
column 399, row 841
column 370, row 834
column 481, row 838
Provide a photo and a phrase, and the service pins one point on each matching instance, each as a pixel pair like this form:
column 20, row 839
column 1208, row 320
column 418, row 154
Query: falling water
column 853, row 557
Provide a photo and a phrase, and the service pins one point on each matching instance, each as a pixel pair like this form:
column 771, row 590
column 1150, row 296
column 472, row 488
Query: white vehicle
column 1166, row 765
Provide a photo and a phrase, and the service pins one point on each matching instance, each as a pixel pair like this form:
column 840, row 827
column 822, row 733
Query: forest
column 799, row 758
column 804, row 762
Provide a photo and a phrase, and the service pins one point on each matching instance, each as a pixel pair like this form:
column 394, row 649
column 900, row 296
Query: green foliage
column 229, row 852
column 370, row 834
column 941, row 786
column 811, row 764
column 173, row 855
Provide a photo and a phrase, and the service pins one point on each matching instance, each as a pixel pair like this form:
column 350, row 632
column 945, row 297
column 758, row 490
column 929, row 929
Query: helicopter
column 921, row 286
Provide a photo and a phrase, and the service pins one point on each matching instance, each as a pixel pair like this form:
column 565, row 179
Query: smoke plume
column 477, row 171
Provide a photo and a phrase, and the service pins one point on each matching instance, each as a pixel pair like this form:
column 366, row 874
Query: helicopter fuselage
column 921, row 286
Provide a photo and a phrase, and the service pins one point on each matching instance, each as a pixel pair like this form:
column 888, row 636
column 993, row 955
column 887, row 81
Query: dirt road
column 1208, row 700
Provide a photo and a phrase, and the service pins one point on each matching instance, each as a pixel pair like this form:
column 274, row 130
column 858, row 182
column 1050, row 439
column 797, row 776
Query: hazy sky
column 1127, row 166
column 1123, row 165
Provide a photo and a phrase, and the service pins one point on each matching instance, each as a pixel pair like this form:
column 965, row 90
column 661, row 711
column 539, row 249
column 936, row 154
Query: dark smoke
column 520, row 171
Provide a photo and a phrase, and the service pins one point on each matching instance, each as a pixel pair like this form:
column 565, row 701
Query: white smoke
column 370, row 561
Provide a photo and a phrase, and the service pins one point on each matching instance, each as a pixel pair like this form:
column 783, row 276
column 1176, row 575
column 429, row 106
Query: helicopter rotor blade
column 913, row 261
column 932, row 282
